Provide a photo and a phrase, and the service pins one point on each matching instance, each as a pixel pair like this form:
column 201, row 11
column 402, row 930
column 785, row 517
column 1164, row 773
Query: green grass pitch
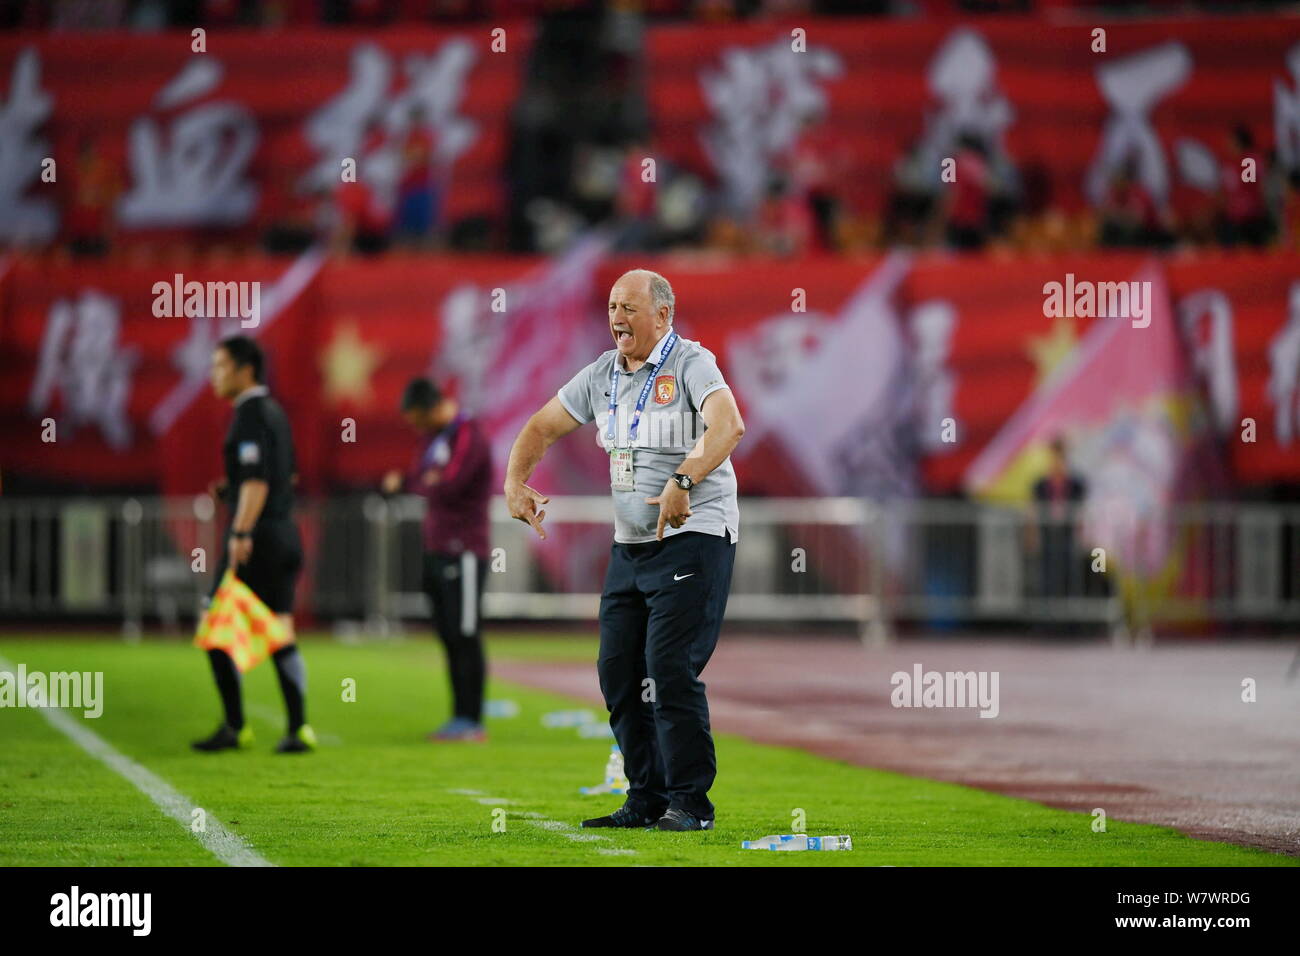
column 377, row 794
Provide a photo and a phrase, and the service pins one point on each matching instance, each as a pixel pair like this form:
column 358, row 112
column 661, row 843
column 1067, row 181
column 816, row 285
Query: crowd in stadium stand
column 577, row 148
column 160, row 14
column 801, row 212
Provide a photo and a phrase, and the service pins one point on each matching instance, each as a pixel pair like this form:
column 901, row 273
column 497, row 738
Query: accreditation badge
column 621, row 477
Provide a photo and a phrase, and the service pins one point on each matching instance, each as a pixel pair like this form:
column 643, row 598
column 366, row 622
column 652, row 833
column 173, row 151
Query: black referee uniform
column 259, row 446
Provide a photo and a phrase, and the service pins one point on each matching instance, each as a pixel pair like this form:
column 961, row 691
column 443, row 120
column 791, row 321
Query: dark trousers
column 1058, row 563
column 660, row 614
column 454, row 583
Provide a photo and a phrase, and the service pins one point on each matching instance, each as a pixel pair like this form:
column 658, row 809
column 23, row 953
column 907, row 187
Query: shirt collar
column 257, row 391
column 654, row 358
column 451, row 426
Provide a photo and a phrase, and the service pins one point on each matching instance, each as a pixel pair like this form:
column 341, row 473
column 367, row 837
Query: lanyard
column 443, row 438
column 645, row 393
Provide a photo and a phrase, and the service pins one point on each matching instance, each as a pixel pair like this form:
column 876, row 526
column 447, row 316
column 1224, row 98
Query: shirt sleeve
column 252, row 448
column 701, row 377
column 575, row 396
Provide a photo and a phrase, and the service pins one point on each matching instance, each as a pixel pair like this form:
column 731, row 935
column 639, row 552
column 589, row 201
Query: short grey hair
column 661, row 292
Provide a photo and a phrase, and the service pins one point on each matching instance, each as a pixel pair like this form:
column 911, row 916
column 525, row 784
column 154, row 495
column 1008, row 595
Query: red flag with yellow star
column 1126, row 401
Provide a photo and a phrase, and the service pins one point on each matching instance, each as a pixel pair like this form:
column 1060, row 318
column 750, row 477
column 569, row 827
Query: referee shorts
column 272, row 570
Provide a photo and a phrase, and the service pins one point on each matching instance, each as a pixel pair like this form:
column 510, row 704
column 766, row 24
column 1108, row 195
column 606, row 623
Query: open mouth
column 622, row 336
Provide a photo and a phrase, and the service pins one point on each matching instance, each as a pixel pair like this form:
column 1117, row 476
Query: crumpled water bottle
column 791, row 842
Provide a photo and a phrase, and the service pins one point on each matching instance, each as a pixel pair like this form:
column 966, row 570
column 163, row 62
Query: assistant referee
column 262, row 542
column 669, row 423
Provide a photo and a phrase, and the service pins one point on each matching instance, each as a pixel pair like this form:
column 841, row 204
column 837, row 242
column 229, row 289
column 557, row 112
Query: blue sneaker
column 459, row 728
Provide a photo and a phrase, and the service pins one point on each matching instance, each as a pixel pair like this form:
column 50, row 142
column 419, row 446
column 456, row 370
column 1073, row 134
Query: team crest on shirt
column 665, row 389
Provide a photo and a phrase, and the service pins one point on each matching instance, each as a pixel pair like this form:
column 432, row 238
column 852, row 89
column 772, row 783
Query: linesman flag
column 239, row 623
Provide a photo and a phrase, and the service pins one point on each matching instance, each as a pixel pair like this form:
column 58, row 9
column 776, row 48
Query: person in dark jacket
column 452, row 471
column 1057, row 496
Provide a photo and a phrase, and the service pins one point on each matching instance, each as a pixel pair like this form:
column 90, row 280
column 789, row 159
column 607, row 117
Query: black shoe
column 226, row 738
column 301, row 741
column 681, row 820
column 622, row 817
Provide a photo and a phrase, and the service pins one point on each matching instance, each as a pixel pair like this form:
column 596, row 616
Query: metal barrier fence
column 934, row 563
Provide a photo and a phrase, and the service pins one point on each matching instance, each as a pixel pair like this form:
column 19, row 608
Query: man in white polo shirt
column 669, row 423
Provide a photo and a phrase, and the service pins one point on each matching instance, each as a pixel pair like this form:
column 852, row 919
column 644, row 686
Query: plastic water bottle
column 500, row 708
column 615, row 778
column 614, row 768
column 791, row 842
column 777, row 841
column 841, row 842
column 567, row 718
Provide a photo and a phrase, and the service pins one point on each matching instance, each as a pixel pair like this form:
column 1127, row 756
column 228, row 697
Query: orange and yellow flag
column 239, row 623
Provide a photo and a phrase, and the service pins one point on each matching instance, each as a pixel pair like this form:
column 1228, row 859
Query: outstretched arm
column 546, row 427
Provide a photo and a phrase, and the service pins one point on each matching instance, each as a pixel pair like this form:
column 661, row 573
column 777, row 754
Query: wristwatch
column 684, row 482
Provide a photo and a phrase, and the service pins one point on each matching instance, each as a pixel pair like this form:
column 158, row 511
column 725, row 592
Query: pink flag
column 1136, row 427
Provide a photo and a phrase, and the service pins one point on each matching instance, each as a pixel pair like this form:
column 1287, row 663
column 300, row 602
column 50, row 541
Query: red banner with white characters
column 853, row 106
column 500, row 335
column 993, row 345
column 106, row 375
column 1240, row 317
column 884, row 376
column 150, row 137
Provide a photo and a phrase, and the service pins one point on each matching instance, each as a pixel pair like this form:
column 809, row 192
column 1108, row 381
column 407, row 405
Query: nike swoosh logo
column 678, row 577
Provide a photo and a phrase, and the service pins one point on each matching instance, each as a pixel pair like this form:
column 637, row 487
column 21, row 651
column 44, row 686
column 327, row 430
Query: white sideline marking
column 227, row 847
column 564, row 830
column 540, row 820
